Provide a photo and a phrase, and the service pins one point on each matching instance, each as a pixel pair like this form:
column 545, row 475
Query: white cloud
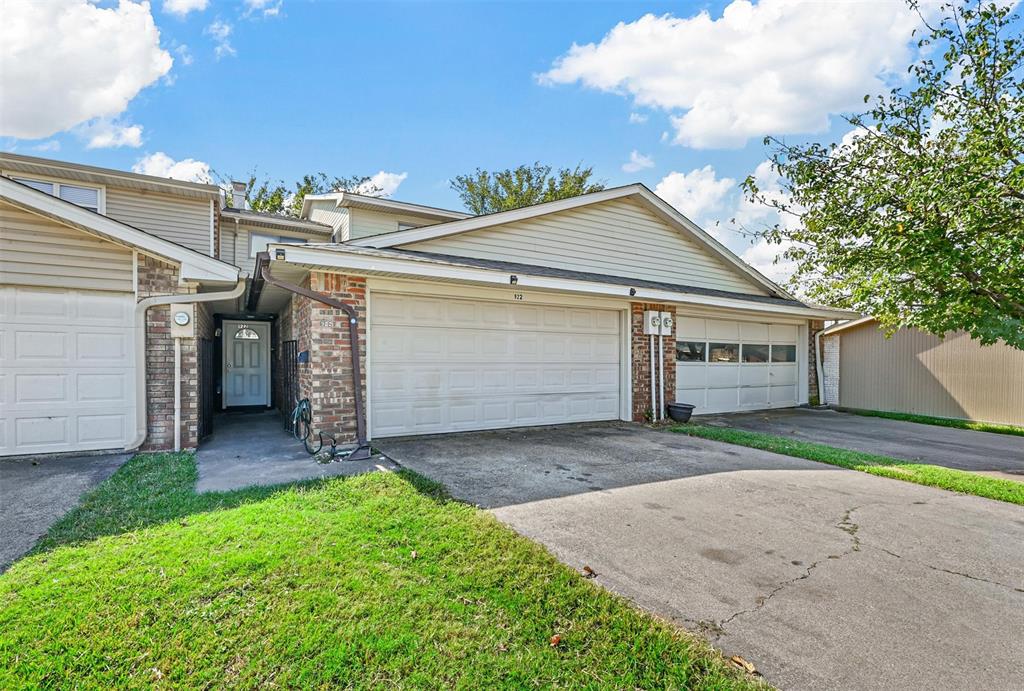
column 184, row 54
column 183, row 7
column 88, row 62
column 637, row 118
column 777, row 67
column 752, row 217
column 382, row 184
column 163, row 166
column 767, row 258
column 221, row 33
column 696, row 194
column 268, row 8
column 50, row 145
column 637, row 162
column 107, row 134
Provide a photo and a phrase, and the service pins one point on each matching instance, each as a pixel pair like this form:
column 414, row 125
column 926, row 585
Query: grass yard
column 943, row 422
column 885, row 466
column 378, row 580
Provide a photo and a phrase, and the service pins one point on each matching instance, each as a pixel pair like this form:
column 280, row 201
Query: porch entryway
column 246, row 362
column 254, row 448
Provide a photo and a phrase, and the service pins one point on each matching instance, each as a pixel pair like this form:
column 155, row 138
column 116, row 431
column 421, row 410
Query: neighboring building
column 532, row 316
column 916, row 372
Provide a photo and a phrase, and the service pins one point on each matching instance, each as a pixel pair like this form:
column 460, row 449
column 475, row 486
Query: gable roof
column 637, row 192
column 271, row 220
column 364, row 201
column 194, row 265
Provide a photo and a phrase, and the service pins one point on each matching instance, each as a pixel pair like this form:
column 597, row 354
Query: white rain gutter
column 141, row 404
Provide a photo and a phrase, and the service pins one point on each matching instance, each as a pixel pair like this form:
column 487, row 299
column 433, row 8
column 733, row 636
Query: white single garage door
column 66, row 370
column 724, row 365
column 446, row 365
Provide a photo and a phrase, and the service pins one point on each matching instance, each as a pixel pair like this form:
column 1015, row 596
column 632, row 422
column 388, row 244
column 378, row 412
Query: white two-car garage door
column 724, row 365
column 66, row 370
column 445, row 365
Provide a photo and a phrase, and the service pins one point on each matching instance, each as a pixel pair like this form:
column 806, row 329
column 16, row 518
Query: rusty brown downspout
column 362, row 451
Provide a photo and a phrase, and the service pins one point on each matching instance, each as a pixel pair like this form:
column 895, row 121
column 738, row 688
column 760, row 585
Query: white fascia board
column 364, row 264
column 195, row 266
column 846, row 325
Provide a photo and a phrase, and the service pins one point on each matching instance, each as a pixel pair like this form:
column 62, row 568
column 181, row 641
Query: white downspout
column 661, row 377
column 819, row 370
column 141, row 407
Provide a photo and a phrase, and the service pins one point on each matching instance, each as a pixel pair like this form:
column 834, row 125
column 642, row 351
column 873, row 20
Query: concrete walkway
column 985, row 452
column 254, row 449
column 35, row 492
column 824, row 578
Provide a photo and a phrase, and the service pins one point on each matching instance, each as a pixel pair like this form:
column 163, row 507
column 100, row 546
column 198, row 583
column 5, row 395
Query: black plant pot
column 680, row 412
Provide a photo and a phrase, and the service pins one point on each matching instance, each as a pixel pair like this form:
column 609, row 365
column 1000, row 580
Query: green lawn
column 943, row 422
column 921, row 473
column 378, row 580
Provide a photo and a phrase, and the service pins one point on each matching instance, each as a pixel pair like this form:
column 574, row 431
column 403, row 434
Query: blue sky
column 431, row 90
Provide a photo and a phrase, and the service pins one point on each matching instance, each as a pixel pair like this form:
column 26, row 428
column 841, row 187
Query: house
column 912, row 371
column 134, row 307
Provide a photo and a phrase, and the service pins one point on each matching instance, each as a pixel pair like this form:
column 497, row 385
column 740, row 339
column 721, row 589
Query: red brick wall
column 159, row 278
column 640, row 345
column 815, row 326
column 327, row 379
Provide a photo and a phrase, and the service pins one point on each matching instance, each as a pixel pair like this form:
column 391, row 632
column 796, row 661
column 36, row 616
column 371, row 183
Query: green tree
column 917, row 217
column 484, row 192
column 274, row 196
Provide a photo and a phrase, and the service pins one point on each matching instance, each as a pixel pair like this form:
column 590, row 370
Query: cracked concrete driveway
column 822, row 577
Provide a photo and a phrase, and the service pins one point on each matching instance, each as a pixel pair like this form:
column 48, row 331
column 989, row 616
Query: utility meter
column 667, row 323
column 652, row 323
column 182, row 321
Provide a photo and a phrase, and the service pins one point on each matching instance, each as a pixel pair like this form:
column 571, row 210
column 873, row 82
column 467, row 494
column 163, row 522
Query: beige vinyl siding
column 364, row 223
column 184, row 221
column 618, row 238
column 235, row 242
column 36, row 251
column 916, row 372
column 326, row 211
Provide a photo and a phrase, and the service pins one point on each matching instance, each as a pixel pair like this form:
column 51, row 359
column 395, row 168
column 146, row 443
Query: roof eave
column 411, row 268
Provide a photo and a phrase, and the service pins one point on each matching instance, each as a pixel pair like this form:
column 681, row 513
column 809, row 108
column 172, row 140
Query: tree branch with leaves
column 917, row 217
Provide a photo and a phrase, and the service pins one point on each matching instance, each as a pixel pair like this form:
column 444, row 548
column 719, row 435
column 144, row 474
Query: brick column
column 159, row 278
column 640, row 345
column 327, row 378
column 814, row 326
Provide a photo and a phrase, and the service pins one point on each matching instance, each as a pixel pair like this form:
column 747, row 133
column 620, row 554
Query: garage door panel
column 783, row 374
column 499, row 365
column 68, row 375
column 754, row 375
column 723, row 375
column 41, row 388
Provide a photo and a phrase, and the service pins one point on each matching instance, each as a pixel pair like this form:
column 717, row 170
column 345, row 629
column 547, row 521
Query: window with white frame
column 80, row 195
column 258, row 242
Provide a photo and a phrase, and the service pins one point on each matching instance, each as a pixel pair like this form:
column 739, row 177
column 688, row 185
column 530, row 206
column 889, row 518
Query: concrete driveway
column 822, row 577
column 965, row 449
column 35, row 492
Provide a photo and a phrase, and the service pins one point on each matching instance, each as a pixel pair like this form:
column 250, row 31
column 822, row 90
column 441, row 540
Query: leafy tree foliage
column 273, row 196
column 917, row 217
column 484, row 192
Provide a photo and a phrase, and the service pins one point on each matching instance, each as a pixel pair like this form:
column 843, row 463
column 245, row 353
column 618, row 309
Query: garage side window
column 724, row 352
column 691, row 351
column 783, row 353
column 755, row 353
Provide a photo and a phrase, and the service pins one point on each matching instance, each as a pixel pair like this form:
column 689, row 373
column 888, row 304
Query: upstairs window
column 85, row 197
